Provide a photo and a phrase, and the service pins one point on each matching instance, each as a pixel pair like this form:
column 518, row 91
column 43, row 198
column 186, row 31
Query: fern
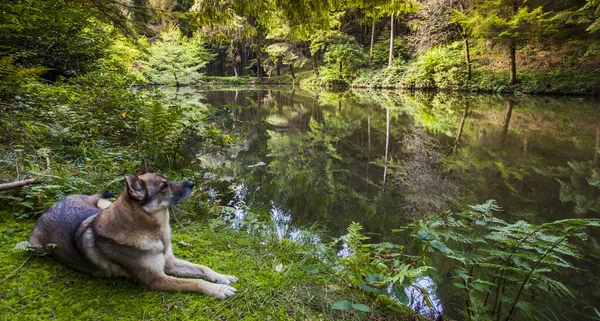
column 10, row 73
column 496, row 262
column 22, row 246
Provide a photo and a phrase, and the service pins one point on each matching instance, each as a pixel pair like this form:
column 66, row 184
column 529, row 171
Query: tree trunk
column 392, row 36
column 279, row 67
column 369, row 140
column 467, row 58
column 7, row 186
column 316, row 63
column 597, row 151
column 372, row 40
column 513, row 63
column 292, row 73
column 242, row 60
column 258, row 67
column 235, row 70
column 387, row 143
column 509, row 107
column 462, row 123
column 340, row 66
column 513, row 50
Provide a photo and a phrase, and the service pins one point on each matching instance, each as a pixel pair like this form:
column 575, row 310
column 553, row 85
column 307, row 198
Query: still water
column 386, row 158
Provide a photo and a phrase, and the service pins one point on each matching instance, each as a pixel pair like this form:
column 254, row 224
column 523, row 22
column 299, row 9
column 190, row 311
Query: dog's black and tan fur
column 128, row 238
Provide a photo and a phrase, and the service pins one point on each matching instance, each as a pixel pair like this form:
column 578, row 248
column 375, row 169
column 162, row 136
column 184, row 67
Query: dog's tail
column 103, row 201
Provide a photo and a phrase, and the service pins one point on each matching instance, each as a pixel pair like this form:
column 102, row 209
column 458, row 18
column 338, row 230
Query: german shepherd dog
column 128, row 238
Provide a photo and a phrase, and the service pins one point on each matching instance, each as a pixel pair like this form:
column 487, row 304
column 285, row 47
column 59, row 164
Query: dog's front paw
column 223, row 291
column 225, row 279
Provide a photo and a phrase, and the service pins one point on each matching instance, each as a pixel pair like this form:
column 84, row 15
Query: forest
column 354, row 160
column 486, row 45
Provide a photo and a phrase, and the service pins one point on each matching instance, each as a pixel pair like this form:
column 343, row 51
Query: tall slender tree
column 512, row 23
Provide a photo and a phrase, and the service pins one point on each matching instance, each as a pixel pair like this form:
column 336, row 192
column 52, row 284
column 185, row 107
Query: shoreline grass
column 279, row 280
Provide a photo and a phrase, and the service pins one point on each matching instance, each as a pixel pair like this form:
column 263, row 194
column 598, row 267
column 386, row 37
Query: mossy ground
column 39, row 288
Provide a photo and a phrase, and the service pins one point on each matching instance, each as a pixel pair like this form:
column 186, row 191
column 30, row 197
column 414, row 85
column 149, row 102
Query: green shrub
column 175, row 58
column 441, row 67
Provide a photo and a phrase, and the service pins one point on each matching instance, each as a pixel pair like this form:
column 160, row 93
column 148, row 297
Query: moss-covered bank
column 279, row 280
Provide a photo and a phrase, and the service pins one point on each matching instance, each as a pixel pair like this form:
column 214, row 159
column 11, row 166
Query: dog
column 129, row 237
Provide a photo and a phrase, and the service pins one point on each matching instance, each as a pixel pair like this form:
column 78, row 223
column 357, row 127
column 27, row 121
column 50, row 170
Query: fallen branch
column 16, row 184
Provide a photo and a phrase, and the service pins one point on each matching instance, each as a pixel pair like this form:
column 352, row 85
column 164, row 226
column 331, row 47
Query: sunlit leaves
column 176, row 59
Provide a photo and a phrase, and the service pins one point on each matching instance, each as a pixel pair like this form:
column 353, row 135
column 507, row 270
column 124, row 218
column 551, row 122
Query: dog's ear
column 143, row 168
column 136, row 187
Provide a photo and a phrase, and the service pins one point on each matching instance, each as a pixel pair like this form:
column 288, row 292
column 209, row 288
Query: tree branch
column 17, row 184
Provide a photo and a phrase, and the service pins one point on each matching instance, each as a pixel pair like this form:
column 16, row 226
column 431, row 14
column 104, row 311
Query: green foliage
column 579, row 184
column 10, row 73
column 64, row 36
column 498, row 265
column 343, row 56
column 443, row 69
column 591, row 10
column 440, row 67
column 175, row 58
column 346, row 305
column 375, row 267
column 498, row 20
column 381, row 50
column 123, row 59
column 78, row 136
column 345, row 53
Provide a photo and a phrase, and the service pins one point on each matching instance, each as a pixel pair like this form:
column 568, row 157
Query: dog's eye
column 163, row 186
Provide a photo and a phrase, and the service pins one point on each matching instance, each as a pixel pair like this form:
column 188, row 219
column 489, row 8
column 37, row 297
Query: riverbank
column 555, row 82
column 279, row 280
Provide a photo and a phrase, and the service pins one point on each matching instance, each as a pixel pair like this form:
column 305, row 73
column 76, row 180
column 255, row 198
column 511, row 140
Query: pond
column 385, row 158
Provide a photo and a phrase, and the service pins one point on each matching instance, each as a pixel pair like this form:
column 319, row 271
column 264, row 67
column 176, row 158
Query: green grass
column 39, row 288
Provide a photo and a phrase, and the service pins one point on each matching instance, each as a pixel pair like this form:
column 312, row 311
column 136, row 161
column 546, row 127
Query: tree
column 395, row 9
column 464, row 7
column 64, row 36
column 345, row 54
column 283, row 54
column 175, row 58
column 512, row 23
column 591, row 10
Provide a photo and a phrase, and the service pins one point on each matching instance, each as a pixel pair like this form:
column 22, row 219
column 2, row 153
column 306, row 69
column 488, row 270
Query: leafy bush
column 441, row 67
column 343, row 59
column 382, row 269
column 497, row 267
column 175, row 58
column 65, row 37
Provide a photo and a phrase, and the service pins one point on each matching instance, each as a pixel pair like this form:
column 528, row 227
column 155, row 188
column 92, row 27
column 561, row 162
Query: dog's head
column 153, row 191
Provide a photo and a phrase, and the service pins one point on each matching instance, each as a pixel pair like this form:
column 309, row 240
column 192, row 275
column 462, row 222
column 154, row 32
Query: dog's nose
column 189, row 184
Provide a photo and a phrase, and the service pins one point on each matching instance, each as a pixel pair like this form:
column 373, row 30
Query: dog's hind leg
column 162, row 282
column 179, row 267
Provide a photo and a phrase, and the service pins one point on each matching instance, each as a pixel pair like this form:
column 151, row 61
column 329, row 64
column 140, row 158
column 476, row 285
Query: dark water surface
column 386, row 158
